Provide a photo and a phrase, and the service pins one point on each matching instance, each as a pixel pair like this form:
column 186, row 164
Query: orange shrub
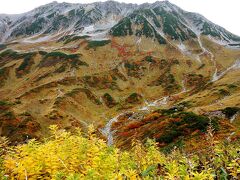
column 134, row 125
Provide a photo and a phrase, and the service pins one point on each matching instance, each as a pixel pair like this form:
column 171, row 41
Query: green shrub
column 108, row 97
column 75, row 38
column 169, row 137
column 131, row 66
column 195, row 121
column 224, row 92
column 9, row 53
column 3, row 103
column 150, row 59
column 230, row 111
column 232, row 86
column 26, row 61
column 123, row 28
column 36, row 26
column 2, row 71
column 61, row 69
column 53, row 58
column 3, row 46
column 9, row 115
column 172, row 110
column 95, row 44
column 207, row 30
column 43, row 53
column 171, row 23
column 76, row 63
column 61, row 55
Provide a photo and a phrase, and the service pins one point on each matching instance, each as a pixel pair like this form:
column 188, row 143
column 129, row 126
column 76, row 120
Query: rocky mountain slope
column 131, row 70
column 96, row 19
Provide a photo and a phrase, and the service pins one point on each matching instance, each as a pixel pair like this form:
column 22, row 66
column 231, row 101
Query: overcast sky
column 222, row 12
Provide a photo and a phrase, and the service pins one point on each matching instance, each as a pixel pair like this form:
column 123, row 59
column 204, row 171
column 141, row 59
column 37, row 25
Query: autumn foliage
column 78, row 156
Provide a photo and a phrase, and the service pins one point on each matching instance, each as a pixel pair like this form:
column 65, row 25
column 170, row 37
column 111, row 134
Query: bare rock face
column 218, row 114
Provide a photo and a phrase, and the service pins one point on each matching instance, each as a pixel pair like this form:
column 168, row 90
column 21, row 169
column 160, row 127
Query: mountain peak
column 162, row 19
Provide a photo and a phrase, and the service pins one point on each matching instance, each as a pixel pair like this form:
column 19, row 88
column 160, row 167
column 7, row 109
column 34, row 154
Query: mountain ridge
column 68, row 18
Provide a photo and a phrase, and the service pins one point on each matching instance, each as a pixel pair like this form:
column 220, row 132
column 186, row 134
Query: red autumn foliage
column 122, row 49
column 124, row 134
column 134, row 125
column 158, row 135
column 152, row 117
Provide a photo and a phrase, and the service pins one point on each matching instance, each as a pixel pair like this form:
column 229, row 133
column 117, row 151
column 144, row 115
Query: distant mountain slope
column 160, row 19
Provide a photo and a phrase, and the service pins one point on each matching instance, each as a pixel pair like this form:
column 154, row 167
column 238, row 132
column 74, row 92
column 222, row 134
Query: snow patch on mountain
column 96, row 20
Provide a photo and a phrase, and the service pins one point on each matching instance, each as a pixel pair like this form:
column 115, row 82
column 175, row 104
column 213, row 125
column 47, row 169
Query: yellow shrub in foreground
column 73, row 156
